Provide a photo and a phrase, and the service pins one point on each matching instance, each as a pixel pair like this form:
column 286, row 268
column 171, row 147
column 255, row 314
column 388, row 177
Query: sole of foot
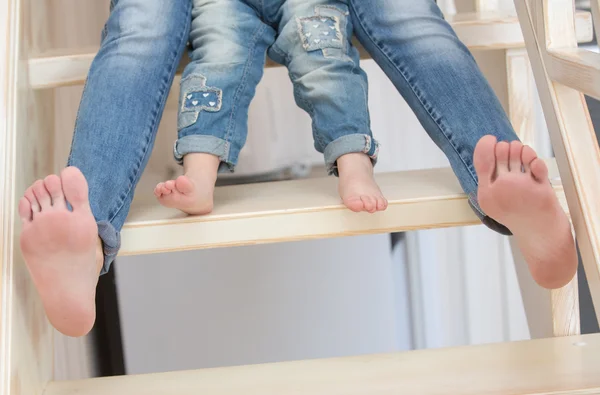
column 192, row 196
column 514, row 190
column 62, row 250
column 357, row 186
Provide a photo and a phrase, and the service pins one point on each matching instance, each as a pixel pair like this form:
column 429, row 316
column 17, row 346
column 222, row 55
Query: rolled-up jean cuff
column 204, row 144
column 487, row 221
column 348, row 144
column 111, row 243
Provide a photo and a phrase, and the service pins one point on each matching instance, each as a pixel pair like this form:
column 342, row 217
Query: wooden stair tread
column 566, row 365
column 491, row 30
column 301, row 209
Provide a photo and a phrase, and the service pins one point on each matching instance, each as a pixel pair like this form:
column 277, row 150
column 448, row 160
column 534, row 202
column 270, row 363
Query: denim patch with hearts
column 320, row 32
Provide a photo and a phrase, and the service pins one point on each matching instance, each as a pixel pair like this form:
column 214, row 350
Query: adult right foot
column 514, row 190
column 62, row 250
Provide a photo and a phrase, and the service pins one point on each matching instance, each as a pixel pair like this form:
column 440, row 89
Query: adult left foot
column 515, row 191
column 62, row 249
column 357, row 186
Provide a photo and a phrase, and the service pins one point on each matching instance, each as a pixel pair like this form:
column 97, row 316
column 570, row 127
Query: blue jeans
column 122, row 104
column 142, row 44
column 312, row 38
column 439, row 79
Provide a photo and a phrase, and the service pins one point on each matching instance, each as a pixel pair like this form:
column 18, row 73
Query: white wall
column 258, row 304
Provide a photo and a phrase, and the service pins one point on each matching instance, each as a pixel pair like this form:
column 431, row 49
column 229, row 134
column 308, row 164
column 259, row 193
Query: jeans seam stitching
column 153, row 122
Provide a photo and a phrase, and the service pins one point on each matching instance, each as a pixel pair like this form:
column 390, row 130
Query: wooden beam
column 595, row 6
column 548, row 24
column 521, row 95
column 26, row 350
column 549, row 313
column 576, row 68
column 557, row 366
column 478, row 31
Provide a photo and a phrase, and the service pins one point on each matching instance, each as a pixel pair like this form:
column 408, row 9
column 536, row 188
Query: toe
column 370, row 203
column 354, row 203
column 514, row 161
column 35, row 206
column 25, row 210
column 157, row 190
column 170, row 185
column 164, row 190
column 484, row 158
column 539, row 170
column 381, row 203
column 54, row 187
column 502, row 151
column 527, row 156
column 42, row 195
column 184, row 185
column 75, row 187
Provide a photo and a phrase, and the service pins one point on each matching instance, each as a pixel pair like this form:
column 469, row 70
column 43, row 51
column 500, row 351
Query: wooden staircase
column 303, row 209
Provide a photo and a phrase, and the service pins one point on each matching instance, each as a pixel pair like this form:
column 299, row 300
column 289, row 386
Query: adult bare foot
column 514, row 190
column 357, row 186
column 62, row 249
column 193, row 192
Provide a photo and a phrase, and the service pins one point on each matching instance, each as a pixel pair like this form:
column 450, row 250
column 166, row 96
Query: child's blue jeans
column 142, row 45
column 312, row 38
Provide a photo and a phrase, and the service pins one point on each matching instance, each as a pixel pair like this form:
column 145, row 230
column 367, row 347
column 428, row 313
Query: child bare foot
column 62, row 249
column 357, row 187
column 193, row 192
column 515, row 191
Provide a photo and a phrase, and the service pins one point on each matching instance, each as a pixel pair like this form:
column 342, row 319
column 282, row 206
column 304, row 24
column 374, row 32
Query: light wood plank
column 565, row 309
column 297, row 210
column 25, row 335
column 569, row 365
column 595, row 6
column 549, row 313
column 521, row 95
column 477, row 30
column 570, row 127
column 487, row 5
column 576, row 68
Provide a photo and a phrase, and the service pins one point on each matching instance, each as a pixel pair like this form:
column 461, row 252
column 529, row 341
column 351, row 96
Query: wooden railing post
column 548, row 26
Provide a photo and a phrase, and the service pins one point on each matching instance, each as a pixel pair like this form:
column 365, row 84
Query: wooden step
column 301, row 209
column 567, row 365
column 479, row 31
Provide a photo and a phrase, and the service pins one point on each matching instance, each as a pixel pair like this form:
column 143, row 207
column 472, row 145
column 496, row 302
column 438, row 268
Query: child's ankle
column 201, row 164
column 354, row 160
